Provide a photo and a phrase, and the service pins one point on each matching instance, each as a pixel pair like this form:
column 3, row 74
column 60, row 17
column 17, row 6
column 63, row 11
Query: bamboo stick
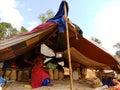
column 68, row 49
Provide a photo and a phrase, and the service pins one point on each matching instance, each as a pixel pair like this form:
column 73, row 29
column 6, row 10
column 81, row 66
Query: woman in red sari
column 40, row 76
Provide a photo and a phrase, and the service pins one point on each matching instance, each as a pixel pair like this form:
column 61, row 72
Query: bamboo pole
column 68, row 49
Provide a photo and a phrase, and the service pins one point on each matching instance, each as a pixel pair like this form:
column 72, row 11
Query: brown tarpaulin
column 83, row 51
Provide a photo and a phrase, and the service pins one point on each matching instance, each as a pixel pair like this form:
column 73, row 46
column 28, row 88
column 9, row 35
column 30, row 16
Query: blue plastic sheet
column 59, row 17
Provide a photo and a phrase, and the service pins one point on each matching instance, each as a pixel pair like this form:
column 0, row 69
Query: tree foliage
column 23, row 30
column 7, row 31
column 117, row 45
column 46, row 16
column 96, row 40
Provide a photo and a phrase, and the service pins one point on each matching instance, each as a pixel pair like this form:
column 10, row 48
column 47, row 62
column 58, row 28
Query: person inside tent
column 40, row 75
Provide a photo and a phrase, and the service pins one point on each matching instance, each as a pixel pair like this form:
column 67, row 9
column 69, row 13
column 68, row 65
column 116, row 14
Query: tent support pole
column 68, row 49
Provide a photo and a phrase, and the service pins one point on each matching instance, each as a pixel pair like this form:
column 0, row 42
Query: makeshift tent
column 53, row 34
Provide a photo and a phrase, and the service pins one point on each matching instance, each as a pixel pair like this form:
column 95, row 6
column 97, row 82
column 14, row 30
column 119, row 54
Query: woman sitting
column 40, row 76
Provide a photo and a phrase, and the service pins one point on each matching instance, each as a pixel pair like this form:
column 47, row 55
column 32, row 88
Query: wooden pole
column 68, row 49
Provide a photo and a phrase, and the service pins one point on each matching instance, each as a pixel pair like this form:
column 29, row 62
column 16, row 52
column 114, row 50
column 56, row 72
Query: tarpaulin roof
column 83, row 51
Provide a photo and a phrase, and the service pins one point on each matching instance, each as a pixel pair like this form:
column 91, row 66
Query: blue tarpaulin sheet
column 59, row 17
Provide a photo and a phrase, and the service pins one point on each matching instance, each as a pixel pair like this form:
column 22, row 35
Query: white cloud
column 107, row 25
column 32, row 25
column 9, row 13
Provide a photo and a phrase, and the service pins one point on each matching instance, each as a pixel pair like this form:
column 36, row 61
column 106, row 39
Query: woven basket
column 60, row 75
column 51, row 73
column 7, row 74
column 13, row 75
column 55, row 76
column 19, row 75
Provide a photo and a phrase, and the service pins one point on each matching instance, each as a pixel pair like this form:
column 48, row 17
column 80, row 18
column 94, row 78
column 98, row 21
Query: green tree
column 117, row 45
column 2, row 31
column 46, row 16
column 23, row 30
column 96, row 40
column 6, row 30
column 13, row 32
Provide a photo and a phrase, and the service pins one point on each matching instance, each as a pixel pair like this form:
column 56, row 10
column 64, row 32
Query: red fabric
column 42, row 26
column 38, row 75
column 115, row 81
column 118, row 88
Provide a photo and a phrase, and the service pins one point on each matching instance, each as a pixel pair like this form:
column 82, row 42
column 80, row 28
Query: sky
column 96, row 18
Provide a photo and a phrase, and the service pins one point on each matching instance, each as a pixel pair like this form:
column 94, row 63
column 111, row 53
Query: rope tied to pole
column 73, row 26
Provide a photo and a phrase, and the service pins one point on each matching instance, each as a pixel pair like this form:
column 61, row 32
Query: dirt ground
column 81, row 84
column 57, row 85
